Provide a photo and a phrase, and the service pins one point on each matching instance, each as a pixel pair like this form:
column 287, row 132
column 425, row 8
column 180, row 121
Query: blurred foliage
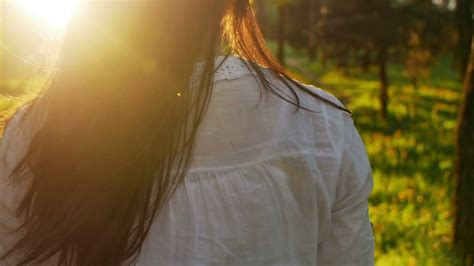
column 366, row 33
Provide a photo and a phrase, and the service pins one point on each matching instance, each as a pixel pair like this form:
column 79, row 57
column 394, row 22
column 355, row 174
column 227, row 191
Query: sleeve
column 13, row 145
column 351, row 240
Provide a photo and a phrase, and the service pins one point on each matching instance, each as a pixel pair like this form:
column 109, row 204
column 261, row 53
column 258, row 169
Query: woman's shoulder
column 19, row 130
column 325, row 98
column 231, row 68
column 234, row 68
column 11, row 126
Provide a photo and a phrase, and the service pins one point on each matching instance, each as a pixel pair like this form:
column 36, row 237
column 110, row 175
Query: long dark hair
column 119, row 123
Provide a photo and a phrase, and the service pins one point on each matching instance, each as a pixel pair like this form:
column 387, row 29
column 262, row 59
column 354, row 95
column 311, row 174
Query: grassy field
column 411, row 154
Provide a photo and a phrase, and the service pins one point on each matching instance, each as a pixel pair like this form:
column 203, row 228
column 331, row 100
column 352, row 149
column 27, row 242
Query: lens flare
column 54, row 13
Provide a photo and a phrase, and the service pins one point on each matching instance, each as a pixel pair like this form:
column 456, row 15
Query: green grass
column 412, row 156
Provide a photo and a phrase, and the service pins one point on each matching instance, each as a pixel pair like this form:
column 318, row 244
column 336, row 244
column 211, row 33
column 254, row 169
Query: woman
column 151, row 148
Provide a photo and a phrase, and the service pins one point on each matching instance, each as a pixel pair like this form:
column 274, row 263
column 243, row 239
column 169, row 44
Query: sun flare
column 54, row 13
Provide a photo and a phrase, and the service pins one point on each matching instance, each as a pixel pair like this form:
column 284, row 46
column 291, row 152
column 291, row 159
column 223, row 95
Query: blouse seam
column 291, row 155
column 230, row 69
column 342, row 172
column 327, row 126
column 234, row 77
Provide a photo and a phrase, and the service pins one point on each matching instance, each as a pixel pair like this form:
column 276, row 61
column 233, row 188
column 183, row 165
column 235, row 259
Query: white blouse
column 266, row 186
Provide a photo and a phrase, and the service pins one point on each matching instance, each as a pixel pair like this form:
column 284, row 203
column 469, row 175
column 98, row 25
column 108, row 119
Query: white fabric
column 267, row 186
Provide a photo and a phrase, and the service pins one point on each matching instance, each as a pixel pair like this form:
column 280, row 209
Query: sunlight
column 54, row 13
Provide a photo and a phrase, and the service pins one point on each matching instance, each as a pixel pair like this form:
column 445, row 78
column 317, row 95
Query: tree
column 417, row 60
column 261, row 10
column 352, row 24
column 464, row 197
column 382, row 61
column 464, row 24
column 301, row 25
column 313, row 16
column 282, row 18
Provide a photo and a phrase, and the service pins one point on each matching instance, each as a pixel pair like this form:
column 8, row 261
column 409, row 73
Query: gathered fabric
column 266, row 185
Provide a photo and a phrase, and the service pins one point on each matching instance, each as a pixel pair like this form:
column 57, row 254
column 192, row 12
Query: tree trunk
column 261, row 15
column 366, row 60
column 312, row 42
column 281, row 33
column 464, row 24
column 414, row 83
column 312, row 52
column 382, row 61
column 324, row 57
column 346, row 56
column 464, row 197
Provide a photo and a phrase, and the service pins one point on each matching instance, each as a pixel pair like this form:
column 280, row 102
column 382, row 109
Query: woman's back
column 126, row 124
column 266, row 185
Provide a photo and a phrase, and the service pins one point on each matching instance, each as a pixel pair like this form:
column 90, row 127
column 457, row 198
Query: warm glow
column 54, row 13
